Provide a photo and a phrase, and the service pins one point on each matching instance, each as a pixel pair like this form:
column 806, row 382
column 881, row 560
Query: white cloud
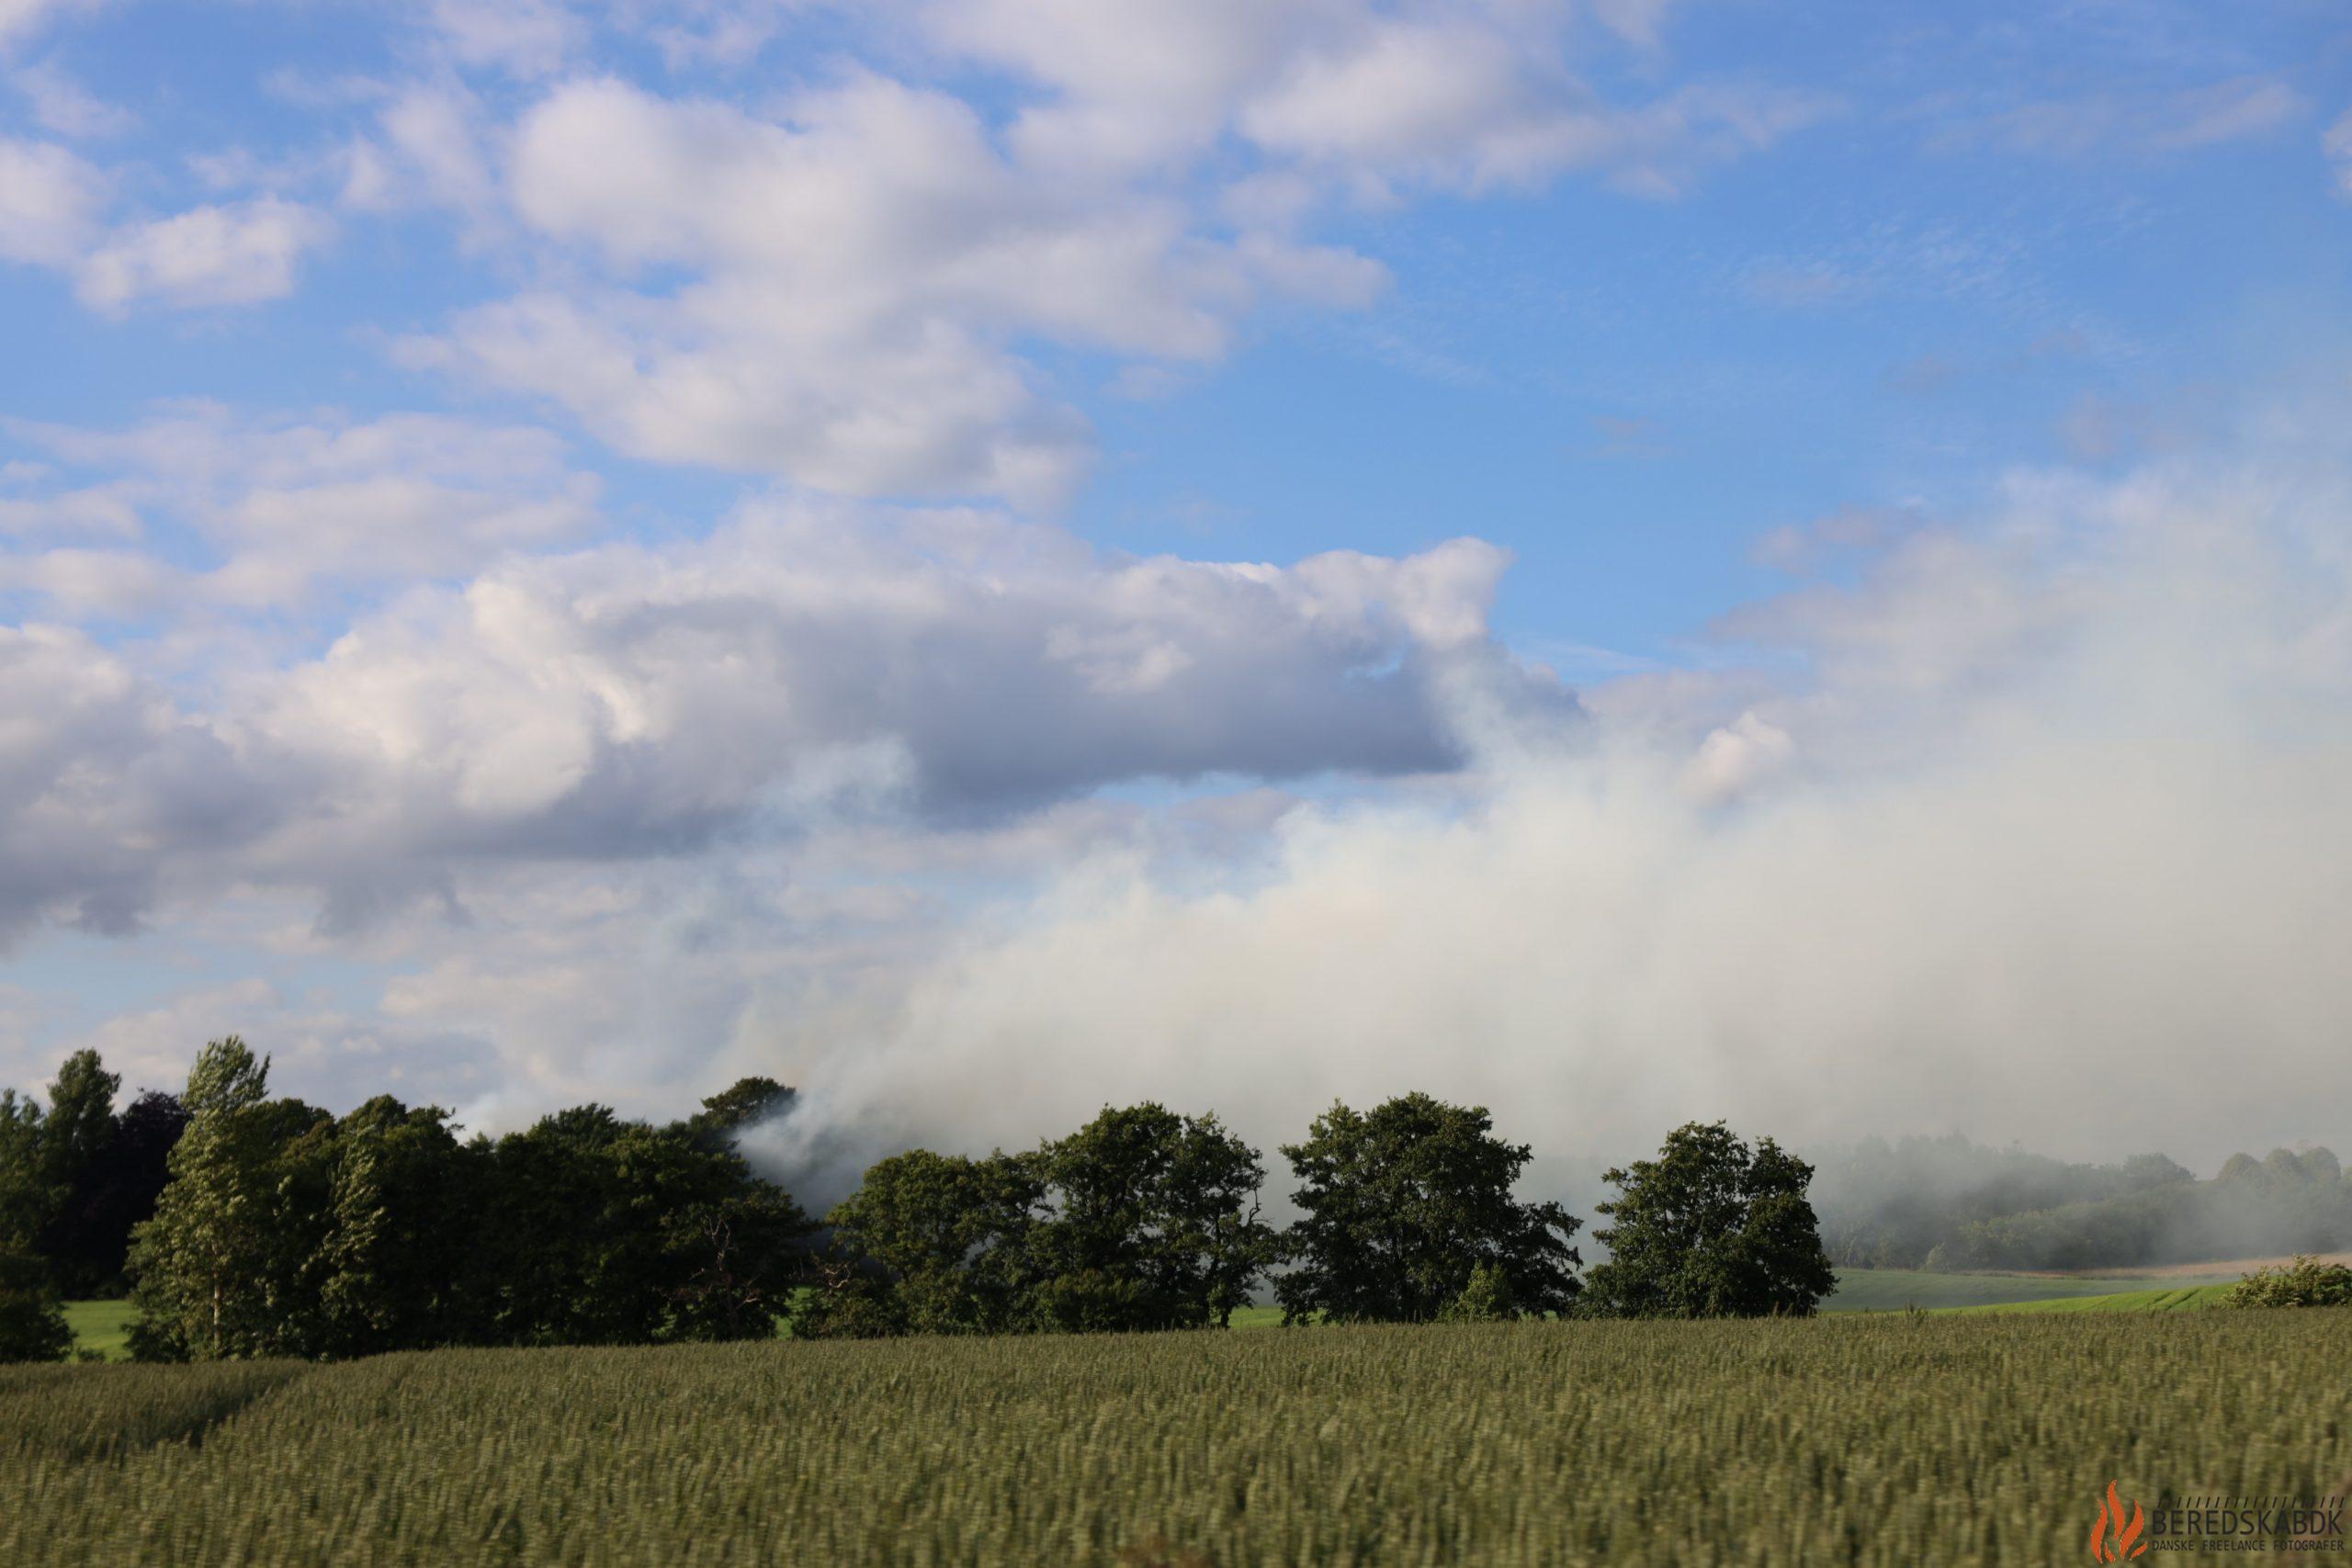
column 528, row 38
column 51, row 203
column 21, row 19
column 2337, row 145
column 1462, row 93
column 61, row 105
column 859, row 272
column 853, row 284
column 803, row 664
column 231, row 254
column 287, row 503
column 429, row 151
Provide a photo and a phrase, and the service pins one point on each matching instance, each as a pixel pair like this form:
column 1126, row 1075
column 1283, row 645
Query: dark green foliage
column 75, row 1145
column 1710, row 1228
column 400, row 1206
column 31, row 1326
column 1401, row 1205
column 1143, row 1219
column 226, row 1269
column 737, row 1259
column 1486, row 1299
column 26, row 1198
column 743, row 1103
column 121, row 1192
column 1154, row 1224
column 2303, row 1283
column 931, row 1243
column 605, row 1231
column 286, row 1232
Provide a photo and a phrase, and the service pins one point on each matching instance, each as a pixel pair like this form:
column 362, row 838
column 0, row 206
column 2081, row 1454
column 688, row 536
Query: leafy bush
column 31, row 1326
column 2305, row 1282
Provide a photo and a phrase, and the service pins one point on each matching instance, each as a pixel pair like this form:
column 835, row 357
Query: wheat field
column 1886, row 1439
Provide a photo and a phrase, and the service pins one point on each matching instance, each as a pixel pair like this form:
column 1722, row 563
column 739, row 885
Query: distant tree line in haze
column 1947, row 1203
column 253, row 1226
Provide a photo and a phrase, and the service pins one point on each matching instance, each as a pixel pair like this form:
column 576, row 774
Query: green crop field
column 1893, row 1289
column 2171, row 1298
column 1863, row 1440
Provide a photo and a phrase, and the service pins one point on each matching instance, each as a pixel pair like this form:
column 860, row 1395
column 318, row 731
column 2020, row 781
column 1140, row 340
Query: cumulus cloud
column 236, row 253
column 630, row 701
column 100, row 782
column 283, row 505
column 850, row 284
column 1462, row 95
column 51, row 203
column 54, row 213
column 2051, row 819
column 860, row 270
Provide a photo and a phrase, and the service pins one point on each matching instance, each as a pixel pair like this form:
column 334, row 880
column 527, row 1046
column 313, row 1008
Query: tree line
column 1949, row 1203
column 273, row 1227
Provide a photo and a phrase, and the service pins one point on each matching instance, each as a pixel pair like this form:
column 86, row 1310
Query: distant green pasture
column 103, row 1326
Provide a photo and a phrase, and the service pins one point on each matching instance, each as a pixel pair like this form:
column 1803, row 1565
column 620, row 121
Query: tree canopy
column 1710, row 1228
column 1404, row 1205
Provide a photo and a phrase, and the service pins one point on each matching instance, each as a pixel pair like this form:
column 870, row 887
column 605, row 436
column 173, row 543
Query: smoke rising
column 2034, row 829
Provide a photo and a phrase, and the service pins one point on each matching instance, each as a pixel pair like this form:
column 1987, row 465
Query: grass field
column 1855, row 1439
column 1892, row 1290
column 2176, row 1298
column 103, row 1326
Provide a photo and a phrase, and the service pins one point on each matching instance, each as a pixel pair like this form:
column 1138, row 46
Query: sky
column 1627, row 560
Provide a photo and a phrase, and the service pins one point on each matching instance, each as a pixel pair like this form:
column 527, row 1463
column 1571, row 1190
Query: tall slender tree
column 77, row 1146
column 225, row 1268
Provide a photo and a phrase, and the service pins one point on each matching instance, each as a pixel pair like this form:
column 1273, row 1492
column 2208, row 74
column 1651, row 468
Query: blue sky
column 557, row 549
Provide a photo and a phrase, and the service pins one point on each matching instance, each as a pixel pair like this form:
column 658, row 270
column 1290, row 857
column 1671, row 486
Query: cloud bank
column 632, row 699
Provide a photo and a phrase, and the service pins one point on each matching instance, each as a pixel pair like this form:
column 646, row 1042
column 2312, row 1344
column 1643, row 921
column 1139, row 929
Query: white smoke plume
column 2039, row 829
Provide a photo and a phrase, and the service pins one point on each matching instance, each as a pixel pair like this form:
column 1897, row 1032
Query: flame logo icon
column 2126, row 1542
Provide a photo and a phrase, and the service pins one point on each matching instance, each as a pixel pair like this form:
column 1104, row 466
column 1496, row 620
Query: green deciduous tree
column 27, row 1200
column 735, row 1263
column 398, row 1238
column 1154, row 1224
column 604, row 1232
column 1710, row 1228
column 77, row 1144
column 1401, row 1205
column 226, row 1268
column 743, row 1103
column 931, row 1243
column 31, row 1328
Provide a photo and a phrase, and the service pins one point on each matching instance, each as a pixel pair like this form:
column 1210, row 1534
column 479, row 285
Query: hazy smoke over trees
column 2033, row 831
